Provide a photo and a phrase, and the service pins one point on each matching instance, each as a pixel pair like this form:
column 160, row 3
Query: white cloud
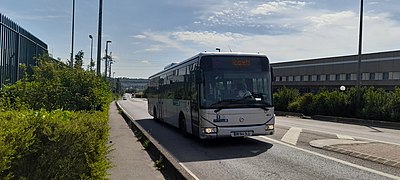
column 140, row 36
column 276, row 6
column 344, row 19
column 206, row 37
column 145, row 62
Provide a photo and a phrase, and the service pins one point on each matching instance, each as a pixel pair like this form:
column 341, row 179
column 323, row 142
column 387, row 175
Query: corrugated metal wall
column 17, row 46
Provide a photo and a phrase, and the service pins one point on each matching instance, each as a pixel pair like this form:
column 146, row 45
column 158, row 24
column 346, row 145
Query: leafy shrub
column 283, row 97
column 53, row 145
column 376, row 104
column 302, row 104
column 56, row 86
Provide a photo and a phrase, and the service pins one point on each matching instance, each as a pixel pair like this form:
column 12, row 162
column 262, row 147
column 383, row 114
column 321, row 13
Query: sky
column 147, row 35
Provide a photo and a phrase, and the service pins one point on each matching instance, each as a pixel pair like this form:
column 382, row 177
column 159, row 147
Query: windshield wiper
column 226, row 103
column 223, row 104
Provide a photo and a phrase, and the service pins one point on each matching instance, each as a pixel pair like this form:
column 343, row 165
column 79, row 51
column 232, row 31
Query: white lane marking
column 356, row 137
column 342, row 136
column 292, row 135
column 334, row 159
column 188, row 171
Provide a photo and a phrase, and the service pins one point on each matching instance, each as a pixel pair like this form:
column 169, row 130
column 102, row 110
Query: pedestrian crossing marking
column 292, row 135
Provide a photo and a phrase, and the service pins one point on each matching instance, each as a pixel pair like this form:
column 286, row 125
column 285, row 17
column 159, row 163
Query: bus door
column 194, row 102
column 160, row 100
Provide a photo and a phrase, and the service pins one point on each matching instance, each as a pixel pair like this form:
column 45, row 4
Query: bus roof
column 173, row 65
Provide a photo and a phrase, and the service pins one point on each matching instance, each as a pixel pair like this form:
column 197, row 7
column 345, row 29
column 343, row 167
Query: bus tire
column 182, row 124
column 155, row 113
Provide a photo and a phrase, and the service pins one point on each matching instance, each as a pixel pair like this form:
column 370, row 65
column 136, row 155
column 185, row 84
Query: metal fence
column 17, row 46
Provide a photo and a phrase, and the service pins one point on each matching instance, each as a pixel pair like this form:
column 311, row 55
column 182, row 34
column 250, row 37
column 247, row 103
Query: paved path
column 128, row 158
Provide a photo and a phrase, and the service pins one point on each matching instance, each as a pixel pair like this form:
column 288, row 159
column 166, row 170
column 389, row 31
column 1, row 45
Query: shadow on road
column 190, row 148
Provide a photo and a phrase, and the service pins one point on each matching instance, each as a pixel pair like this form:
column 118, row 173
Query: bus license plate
column 241, row 133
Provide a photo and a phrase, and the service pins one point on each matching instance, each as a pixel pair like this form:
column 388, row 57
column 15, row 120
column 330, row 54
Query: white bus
column 214, row 95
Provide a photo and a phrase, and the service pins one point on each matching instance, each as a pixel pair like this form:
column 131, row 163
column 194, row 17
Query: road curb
column 171, row 167
column 364, row 156
column 377, row 159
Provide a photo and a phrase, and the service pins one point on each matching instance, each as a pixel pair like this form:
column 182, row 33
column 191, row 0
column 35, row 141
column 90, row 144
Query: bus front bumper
column 225, row 132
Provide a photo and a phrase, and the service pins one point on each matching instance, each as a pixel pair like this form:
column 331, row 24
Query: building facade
column 380, row 70
column 17, row 46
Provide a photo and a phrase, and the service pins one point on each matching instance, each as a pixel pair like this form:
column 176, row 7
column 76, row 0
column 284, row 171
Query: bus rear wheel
column 182, row 124
column 155, row 114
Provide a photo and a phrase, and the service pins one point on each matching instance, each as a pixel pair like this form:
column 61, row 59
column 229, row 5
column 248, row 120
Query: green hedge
column 53, row 145
column 374, row 103
column 54, row 124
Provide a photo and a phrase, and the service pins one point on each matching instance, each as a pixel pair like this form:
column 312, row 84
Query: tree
column 79, row 60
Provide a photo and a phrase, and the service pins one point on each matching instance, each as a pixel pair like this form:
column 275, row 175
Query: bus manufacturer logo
column 241, row 119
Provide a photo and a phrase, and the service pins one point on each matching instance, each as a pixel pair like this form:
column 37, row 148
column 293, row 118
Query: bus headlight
column 209, row 130
column 269, row 127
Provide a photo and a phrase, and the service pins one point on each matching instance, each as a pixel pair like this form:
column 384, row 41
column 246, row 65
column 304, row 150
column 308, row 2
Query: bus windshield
column 236, row 87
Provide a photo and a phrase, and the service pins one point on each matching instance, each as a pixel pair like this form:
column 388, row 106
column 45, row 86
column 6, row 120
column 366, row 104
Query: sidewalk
column 388, row 154
column 128, row 158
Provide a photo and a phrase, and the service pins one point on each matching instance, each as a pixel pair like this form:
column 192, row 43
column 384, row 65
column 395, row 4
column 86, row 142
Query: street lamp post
column 106, row 62
column 91, row 53
column 99, row 37
column 358, row 85
column 72, row 33
column 110, row 61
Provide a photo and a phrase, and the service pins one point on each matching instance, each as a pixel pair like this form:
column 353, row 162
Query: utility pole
column 72, row 33
column 106, row 60
column 359, row 76
column 91, row 53
column 110, row 63
column 99, row 38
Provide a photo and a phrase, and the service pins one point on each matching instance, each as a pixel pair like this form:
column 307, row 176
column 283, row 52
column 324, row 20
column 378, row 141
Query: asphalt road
column 261, row 157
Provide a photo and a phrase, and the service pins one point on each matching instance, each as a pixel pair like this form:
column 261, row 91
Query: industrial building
column 380, row 70
column 17, row 46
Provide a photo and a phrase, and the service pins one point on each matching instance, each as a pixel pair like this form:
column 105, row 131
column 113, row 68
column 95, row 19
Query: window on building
column 328, row 77
column 396, row 75
column 371, row 76
column 323, row 77
column 385, row 76
column 378, row 76
column 337, row 78
column 297, row 78
column 313, row 77
column 353, row 76
column 305, row 77
column 348, row 77
column 283, row 78
column 290, row 78
column 365, row 76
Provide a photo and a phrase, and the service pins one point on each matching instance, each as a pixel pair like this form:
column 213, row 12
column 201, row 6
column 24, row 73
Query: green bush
column 284, row 97
column 56, row 86
column 302, row 104
column 53, row 145
column 332, row 103
column 54, row 124
column 376, row 104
